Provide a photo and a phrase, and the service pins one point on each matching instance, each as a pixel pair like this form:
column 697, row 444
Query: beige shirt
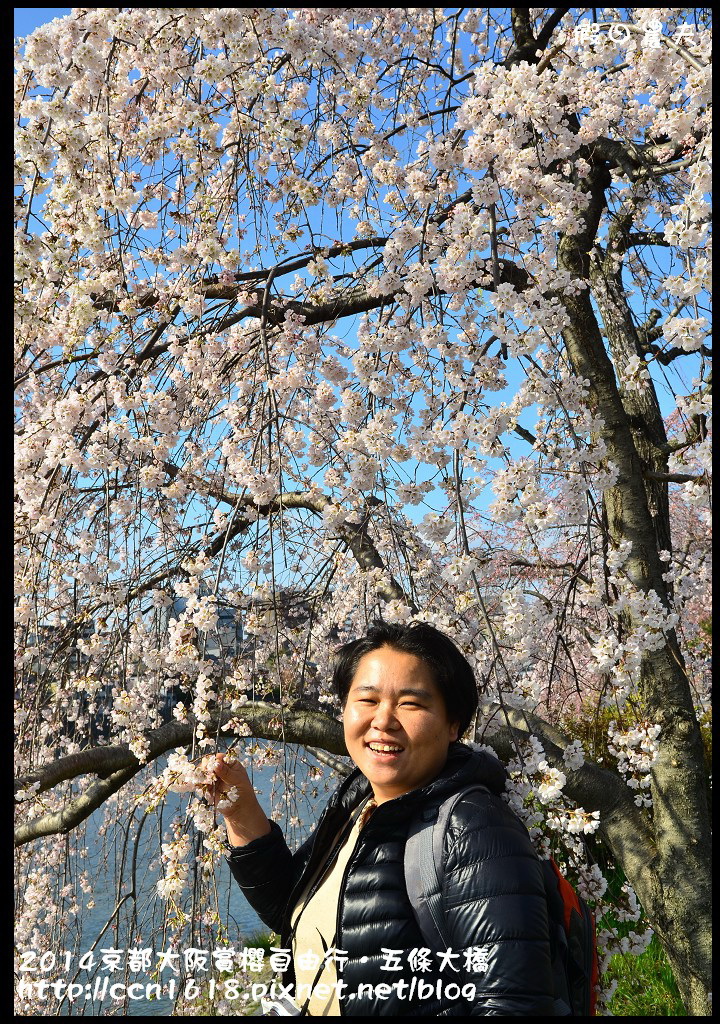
column 315, row 921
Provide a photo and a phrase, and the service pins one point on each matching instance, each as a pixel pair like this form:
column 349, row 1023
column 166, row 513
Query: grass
column 645, row 985
column 262, row 940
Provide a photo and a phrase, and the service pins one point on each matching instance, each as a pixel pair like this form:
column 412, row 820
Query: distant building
column 56, row 648
column 223, row 642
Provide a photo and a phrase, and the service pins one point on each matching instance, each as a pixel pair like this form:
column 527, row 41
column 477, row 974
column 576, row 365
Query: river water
column 138, row 924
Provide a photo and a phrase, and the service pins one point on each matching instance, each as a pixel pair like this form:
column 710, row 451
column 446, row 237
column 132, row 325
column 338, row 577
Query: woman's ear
column 454, row 731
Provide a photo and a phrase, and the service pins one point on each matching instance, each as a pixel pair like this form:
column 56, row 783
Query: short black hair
column 451, row 670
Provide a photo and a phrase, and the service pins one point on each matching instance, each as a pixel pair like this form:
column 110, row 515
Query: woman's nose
column 385, row 717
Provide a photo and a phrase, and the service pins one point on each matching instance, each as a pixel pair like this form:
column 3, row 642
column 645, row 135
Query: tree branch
column 116, row 764
column 76, row 810
column 669, row 355
column 592, row 787
column 624, row 826
column 354, row 535
column 676, row 478
column 550, row 25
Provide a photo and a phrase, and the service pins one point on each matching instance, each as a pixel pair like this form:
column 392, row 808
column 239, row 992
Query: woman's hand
column 233, row 795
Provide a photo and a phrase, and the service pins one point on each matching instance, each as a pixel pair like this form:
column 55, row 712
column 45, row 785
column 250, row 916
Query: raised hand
column 233, row 795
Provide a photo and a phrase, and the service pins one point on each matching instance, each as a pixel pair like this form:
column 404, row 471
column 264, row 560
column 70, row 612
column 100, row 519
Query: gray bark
column 673, row 881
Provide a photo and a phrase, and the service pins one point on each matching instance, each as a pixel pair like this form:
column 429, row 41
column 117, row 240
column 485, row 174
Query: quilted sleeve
column 496, row 911
column 264, row 871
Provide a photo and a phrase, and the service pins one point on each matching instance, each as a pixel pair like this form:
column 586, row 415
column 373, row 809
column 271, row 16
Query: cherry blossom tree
column 325, row 314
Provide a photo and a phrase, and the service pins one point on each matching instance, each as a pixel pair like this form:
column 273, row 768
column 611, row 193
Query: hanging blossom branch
column 589, row 786
column 488, row 198
column 116, row 764
column 353, row 534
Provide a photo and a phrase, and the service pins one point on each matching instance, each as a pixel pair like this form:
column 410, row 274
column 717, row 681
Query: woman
column 408, row 694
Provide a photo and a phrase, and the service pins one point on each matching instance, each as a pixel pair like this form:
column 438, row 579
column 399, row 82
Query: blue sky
column 29, row 18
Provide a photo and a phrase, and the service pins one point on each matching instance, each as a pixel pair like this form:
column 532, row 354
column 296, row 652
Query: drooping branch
column 594, row 788
column 342, row 302
column 116, row 765
column 590, row 786
column 353, row 534
column 77, row 810
column 211, row 288
column 105, row 761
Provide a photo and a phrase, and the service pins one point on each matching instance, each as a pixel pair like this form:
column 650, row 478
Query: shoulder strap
column 424, row 869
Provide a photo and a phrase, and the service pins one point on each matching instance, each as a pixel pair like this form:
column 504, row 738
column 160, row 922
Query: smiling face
column 396, row 724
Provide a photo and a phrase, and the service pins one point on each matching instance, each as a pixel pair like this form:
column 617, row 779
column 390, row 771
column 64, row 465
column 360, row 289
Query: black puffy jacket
column 494, row 899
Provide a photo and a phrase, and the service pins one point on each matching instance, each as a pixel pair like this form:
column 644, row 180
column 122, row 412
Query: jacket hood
column 464, row 767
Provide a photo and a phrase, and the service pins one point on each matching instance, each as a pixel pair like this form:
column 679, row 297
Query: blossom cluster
column 636, row 750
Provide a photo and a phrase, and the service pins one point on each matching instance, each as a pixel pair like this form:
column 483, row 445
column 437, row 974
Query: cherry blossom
column 324, row 314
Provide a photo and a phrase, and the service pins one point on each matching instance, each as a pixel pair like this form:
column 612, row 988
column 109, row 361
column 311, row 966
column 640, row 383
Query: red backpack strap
column 572, row 903
column 568, row 894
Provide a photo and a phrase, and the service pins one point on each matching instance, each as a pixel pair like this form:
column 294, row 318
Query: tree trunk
column 677, row 888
